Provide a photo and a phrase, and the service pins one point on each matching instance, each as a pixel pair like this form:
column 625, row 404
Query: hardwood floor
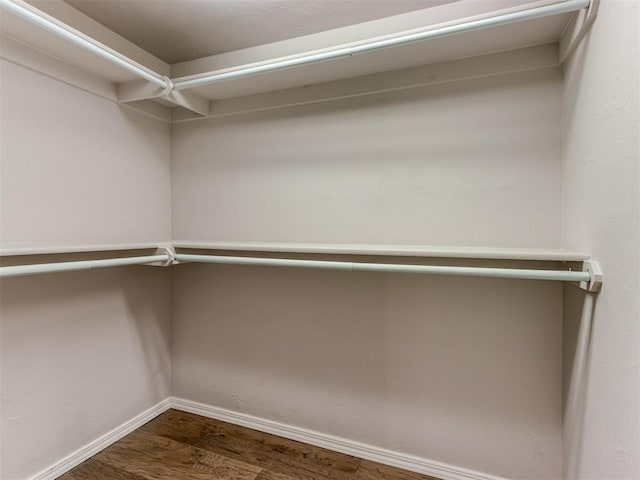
column 182, row 446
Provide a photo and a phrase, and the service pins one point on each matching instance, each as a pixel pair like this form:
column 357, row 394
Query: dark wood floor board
column 94, row 469
column 274, row 453
column 280, row 455
column 375, row 471
column 180, row 426
column 157, row 458
column 270, row 475
column 182, row 446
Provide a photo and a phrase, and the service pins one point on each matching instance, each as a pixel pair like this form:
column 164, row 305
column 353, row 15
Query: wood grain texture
column 179, row 445
column 94, row 469
column 375, row 471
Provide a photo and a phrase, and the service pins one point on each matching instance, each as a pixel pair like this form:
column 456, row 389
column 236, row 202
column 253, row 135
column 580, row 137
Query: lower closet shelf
column 588, row 274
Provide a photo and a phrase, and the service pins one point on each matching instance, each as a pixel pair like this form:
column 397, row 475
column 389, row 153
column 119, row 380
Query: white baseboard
column 89, row 450
column 330, row 442
column 342, row 445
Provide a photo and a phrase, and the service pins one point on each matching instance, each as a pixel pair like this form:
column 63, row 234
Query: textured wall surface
column 77, row 169
column 461, row 371
column 601, row 215
column 469, row 163
column 466, row 372
column 80, row 353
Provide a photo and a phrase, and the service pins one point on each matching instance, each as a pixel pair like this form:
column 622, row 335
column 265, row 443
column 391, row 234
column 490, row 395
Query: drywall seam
column 92, row 448
column 342, row 445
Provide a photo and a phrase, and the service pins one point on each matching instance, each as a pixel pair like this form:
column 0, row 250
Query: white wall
column 461, row 371
column 78, row 169
column 601, row 212
column 80, row 353
column 466, row 163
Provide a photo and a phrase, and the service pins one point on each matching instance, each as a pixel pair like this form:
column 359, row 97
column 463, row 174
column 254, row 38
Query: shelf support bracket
column 595, row 282
column 169, row 251
column 189, row 101
column 139, row 90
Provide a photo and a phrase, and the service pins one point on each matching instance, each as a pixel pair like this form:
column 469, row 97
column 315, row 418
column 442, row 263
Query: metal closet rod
column 167, row 258
column 558, row 275
column 55, row 26
column 379, row 44
column 20, row 270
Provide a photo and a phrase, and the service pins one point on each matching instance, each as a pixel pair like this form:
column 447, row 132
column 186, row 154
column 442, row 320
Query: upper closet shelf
column 438, row 34
column 445, row 32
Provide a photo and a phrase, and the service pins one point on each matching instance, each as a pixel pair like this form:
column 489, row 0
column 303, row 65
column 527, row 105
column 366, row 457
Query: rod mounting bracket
column 595, row 282
column 170, row 252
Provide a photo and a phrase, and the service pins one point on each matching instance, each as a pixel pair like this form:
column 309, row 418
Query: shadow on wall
column 578, row 306
column 81, row 353
column 151, row 320
column 150, row 135
column 572, row 90
column 470, row 163
column 338, row 131
column 578, row 309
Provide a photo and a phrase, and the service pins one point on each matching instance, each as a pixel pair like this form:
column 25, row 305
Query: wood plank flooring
column 178, row 445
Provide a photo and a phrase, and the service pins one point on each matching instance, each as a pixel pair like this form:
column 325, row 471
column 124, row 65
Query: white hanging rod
column 18, row 270
column 381, row 43
column 590, row 278
column 558, row 275
column 63, row 30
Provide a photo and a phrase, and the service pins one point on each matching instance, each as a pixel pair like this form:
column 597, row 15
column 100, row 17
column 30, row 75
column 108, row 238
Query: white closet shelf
column 587, row 275
column 434, row 35
column 430, row 36
column 427, row 251
column 490, row 253
column 53, row 250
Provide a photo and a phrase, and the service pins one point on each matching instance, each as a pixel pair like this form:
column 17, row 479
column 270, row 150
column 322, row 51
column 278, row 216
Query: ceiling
column 181, row 30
